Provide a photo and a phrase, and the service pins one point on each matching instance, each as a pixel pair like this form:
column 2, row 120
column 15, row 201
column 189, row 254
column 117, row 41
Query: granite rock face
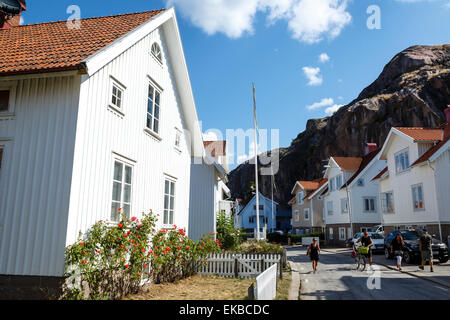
column 412, row 90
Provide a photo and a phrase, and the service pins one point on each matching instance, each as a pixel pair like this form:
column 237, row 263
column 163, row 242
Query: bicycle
column 361, row 256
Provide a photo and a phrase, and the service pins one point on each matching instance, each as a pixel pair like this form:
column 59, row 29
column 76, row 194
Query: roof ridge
column 89, row 18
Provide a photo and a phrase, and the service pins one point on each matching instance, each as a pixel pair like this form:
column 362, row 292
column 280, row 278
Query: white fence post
column 266, row 284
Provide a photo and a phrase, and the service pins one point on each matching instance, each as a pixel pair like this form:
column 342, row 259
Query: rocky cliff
column 412, row 90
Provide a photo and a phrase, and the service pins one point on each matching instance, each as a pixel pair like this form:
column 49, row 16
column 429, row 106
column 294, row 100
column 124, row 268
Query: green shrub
column 227, row 234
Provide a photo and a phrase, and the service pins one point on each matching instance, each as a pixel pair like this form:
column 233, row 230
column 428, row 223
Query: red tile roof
column 378, row 176
column 309, row 185
column 435, row 148
column 422, row 134
column 364, row 163
column 321, row 183
column 216, row 148
column 49, row 47
column 348, row 163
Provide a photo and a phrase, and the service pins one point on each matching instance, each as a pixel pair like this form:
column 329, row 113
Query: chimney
column 370, row 147
column 10, row 13
column 447, row 113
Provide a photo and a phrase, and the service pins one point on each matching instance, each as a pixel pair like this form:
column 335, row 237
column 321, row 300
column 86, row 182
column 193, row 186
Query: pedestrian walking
column 397, row 249
column 313, row 253
column 426, row 249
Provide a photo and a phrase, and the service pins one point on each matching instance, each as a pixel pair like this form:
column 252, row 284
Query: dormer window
column 402, row 161
column 156, row 52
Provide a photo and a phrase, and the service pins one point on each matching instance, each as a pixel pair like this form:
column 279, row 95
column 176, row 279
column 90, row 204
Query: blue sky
column 277, row 44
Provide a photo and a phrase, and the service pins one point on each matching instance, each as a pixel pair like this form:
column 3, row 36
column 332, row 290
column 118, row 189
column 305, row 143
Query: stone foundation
column 14, row 287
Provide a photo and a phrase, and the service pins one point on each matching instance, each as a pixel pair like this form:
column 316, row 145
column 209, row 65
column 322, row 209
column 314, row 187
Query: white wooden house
column 92, row 120
column 246, row 218
column 351, row 203
column 414, row 186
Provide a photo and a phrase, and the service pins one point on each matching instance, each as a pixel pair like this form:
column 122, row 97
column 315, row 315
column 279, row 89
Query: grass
column 198, row 288
column 209, row 288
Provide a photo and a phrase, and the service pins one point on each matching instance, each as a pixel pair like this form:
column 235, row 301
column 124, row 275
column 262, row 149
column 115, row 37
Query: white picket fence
column 266, row 284
column 239, row 265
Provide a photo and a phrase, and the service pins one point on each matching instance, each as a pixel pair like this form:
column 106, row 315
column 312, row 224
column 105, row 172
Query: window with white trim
column 7, row 97
column 402, row 161
column 297, row 215
column 338, row 182
column 417, row 196
column 306, row 213
column 300, row 197
column 156, row 51
column 369, row 205
column 1, row 157
column 117, row 95
column 387, row 202
column 177, row 139
column 153, row 108
column 342, row 234
column 331, row 233
column 330, row 207
column 344, row 205
column 332, row 184
column 121, row 194
column 169, row 201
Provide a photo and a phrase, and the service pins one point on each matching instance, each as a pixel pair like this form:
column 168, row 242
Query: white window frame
column 156, row 88
column 342, row 207
column 331, row 231
column 119, row 85
column 178, row 137
column 399, row 170
column 300, row 196
column 360, row 182
column 121, row 203
column 10, row 86
column 297, row 215
column 306, row 214
column 330, row 212
column 160, row 58
column 342, row 233
column 338, row 185
column 332, row 184
column 413, row 187
column 374, row 199
column 172, row 210
column 384, row 204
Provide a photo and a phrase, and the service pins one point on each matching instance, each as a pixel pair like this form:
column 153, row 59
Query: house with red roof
column 307, row 206
column 351, row 202
column 415, row 184
column 93, row 119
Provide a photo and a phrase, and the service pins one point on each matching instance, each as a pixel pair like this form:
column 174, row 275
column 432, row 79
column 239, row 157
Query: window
column 342, row 234
column 402, row 161
column 177, row 138
column 153, row 109
column 300, row 198
column 297, row 216
column 306, row 214
column 261, row 207
column 169, row 201
column 349, row 232
column 338, row 182
column 117, row 95
column 1, row 156
column 4, row 100
column 251, row 219
column 332, row 185
column 344, row 205
column 330, row 207
column 331, row 233
column 121, row 194
column 387, row 201
column 369, row 204
column 156, row 52
column 417, row 194
column 360, row 183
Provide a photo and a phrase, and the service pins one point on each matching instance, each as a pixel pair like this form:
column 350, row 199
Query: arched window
column 156, row 51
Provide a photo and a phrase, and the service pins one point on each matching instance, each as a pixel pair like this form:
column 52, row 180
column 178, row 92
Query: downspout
column 437, row 200
column 349, row 209
column 312, row 216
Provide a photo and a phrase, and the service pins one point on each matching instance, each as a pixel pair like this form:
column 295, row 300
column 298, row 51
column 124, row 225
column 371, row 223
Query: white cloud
column 22, row 21
column 309, row 21
column 333, row 109
column 323, row 57
column 313, row 75
column 210, row 136
column 447, row 5
column 325, row 102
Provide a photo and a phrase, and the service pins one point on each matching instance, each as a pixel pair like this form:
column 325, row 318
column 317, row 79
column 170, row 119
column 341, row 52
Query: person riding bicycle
column 366, row 241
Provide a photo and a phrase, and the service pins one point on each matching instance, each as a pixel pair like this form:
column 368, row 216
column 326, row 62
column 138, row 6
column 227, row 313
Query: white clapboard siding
column 249, row 265
column 102, row 131
column 36, row 175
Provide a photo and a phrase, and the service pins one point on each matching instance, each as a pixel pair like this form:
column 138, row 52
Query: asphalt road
column 336, row 279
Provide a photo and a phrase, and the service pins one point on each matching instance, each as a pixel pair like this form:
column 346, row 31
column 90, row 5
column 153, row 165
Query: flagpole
column 256, row 164
column 271, row 169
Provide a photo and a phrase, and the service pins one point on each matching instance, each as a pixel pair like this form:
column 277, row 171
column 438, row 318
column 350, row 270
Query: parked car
column 349, row 243
column 377, row 229
column 411, row 251
column 378, row 240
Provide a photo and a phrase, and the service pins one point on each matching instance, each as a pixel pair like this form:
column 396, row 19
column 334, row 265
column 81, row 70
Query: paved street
column 336, row 279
